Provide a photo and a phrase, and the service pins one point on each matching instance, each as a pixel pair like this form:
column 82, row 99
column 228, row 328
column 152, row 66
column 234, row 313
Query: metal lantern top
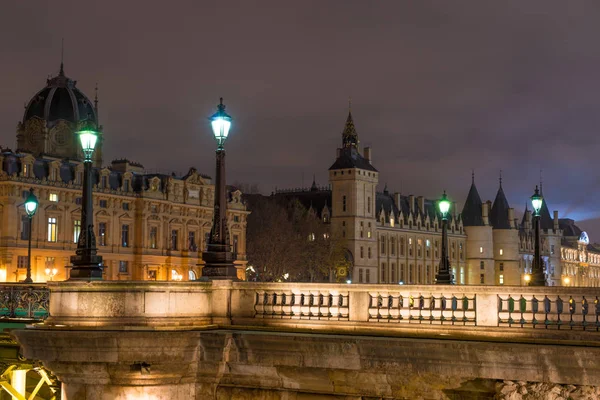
column 31, row 204
column 444, row 205
column 536, row 201
column 221, row 122
column 88, row 136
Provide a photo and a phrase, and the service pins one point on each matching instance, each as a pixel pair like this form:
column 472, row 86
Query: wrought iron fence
column 554, row 312
column 24, row 301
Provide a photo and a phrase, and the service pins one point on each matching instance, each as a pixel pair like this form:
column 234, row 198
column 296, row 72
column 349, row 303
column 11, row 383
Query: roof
column 546, row 221
column 499, row 212
column 472, row 211
column 349, row 135
column 567, row 225
column 351, row 158
column 315, row 198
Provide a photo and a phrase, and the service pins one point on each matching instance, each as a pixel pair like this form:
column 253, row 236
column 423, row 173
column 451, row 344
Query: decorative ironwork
column 24, row 301
column 423, row 308
column 321, row 305
column 529, row 311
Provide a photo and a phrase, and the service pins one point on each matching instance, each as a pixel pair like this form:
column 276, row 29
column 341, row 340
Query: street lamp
column 218, row 257
column 51, row 272
column 537, row 268
column 31, row 206
column 444, row 276
column 86, row 262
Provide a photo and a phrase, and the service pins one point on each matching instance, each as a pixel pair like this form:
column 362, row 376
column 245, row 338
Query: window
column 427, row 273
column 343, row 203
column 362, row 252
column 368, row 276
column 401, row 246
column 126, row 206
column 501, row 267
column 235, row 245
column 393, row 273
column 192, row 242
column 52, row 174
column 126, row 185
column 501, row 279
column 78, row 201
column 360, row 275
column 76, row 230
column 368, row 205
column 481, row 265
column 480, row 250
column 362, row 228
column 103, row 203
column 311, row 237
column 501, row 251
column 25, row 227
column 402, row 273
column 369, row 251
column 391, row 221
column 152, row 275
column 419, row 242
column 191, row 275
column 125, row 235
column 104, row 181
column 236, row 218
column 482, row 278
column 26, row 170
column 153, row 236
column 551, row 249
column 53, row 197
column 102, row 233
column 153, row 208
column 123, row 266
column 49, row 262
column 25, row 194
column 174, row 235
column 393, row 246
column 52, row 230
column 382, row 244
column 383, row 272
column 22, row 261
column 369, row 231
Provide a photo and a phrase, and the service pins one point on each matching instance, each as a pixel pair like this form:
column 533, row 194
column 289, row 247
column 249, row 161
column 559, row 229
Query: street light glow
column 444, row 205
column 221, row 122
column 536, row 201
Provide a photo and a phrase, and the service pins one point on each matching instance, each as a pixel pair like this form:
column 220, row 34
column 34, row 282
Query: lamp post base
column 218, row 265
column 86, row 268
column 444, row 278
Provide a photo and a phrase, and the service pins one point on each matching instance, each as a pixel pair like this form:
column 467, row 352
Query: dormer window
column 52, row 174
column 53, row 197
column 126, row 185
column 104, row 182
column 26, row 169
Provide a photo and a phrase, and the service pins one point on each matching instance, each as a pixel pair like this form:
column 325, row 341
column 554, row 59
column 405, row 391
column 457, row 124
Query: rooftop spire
column 472, row 211
column 473, row 176
column 62, row 56
column 96, row 103
column 500, row 178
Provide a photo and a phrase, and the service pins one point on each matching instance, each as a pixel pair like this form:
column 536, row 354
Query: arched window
column 192, row 275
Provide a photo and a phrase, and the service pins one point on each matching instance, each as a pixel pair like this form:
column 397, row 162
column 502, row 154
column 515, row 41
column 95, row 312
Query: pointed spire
column 96, row 104
column 541, row 184
column 500, row 178
column 62, row 56
column 499, row 212
column 349, row 136
column 472, row 210
column 473, row 176
column 314, row 187
column 385, row 189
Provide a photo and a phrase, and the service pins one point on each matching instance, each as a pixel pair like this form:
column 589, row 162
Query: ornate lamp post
column 31, row 206
column 537, row 268
column 444, row 275
column 218, row 258
column 86, row 262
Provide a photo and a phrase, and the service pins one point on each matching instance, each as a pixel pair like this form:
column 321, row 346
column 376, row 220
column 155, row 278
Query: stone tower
column 505, row 270
column 479, row 245
column 353, row 182
column 53, row 116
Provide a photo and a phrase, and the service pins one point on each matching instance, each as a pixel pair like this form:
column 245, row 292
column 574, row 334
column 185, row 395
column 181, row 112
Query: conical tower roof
column 471, row 212
column 546, row 221
column 499, row 213
column 349, row 135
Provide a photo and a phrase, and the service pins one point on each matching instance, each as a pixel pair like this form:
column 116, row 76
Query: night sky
column 438, row 88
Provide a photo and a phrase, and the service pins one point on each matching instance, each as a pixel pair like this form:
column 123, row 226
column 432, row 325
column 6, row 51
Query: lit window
column 501, row 279
column 427, row 243
column 481, row 250
column 369, row 231
column 26, row 170
column 76, row 230
column 409, row 240
column 52, row 230
column 501, row 251
column 53, row 197
column 391, row 221
column 311, row 237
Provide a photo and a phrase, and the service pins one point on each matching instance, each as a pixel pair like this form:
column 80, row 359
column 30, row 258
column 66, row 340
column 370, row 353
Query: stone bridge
column 243, row 340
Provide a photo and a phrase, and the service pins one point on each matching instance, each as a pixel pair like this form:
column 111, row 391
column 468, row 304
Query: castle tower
column 505, row 269
column 479, row 245
column 353, row 182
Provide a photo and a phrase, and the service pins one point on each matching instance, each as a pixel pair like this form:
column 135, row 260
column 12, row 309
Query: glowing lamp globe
column 536, row 201
column 31, row 204
column 88, row 136
column 221, row 122
column 444, row 205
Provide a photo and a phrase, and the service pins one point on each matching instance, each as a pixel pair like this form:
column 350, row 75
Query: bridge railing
column 378, row 307
column 25, row 301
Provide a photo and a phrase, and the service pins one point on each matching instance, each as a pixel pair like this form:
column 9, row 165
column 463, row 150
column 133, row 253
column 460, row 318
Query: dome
column 60, row 100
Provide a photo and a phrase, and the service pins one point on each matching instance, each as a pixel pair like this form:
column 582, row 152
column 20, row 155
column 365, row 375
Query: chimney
column 397, row 200
column 555, row 221
column 338, row 153
column 511, row 218
column 484, row 213
column 411, row 203
column 421, row 201
column 367, row 154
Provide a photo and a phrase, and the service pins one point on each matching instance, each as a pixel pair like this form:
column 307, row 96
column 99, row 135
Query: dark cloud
column 437, row 88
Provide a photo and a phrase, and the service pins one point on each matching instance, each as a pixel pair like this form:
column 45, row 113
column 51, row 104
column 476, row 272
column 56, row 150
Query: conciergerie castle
column 149, row 226
column 393, row 238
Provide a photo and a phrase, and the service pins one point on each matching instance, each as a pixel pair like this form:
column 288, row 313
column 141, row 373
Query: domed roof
column 60, row 100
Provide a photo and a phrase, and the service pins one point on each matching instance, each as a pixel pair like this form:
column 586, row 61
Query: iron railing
column 24, row 301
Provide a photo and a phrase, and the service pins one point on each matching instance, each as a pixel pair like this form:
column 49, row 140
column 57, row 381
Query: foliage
column 287, row 242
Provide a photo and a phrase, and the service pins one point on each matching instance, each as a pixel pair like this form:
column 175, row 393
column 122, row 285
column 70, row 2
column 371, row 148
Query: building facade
column 147, row 226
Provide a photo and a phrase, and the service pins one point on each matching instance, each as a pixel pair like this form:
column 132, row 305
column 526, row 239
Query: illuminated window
column 26, row 170
column 52, row 229
column 369, row 231
column 22, row 261
column 53, row 197
column 481, row 250
column 153, row 236
column 76, row 230
column 501, row 279
column 102, row 233
column 311, row 237
column 391, row 221
column 501, row 251
column 409, row 240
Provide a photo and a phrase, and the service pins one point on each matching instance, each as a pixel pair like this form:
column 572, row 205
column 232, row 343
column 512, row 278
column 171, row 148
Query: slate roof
column 314, row 197
column 546, row 221
column 351, row 158
column 567, row 225
column 499, row 212
column 387, row 201
column 472, row 211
